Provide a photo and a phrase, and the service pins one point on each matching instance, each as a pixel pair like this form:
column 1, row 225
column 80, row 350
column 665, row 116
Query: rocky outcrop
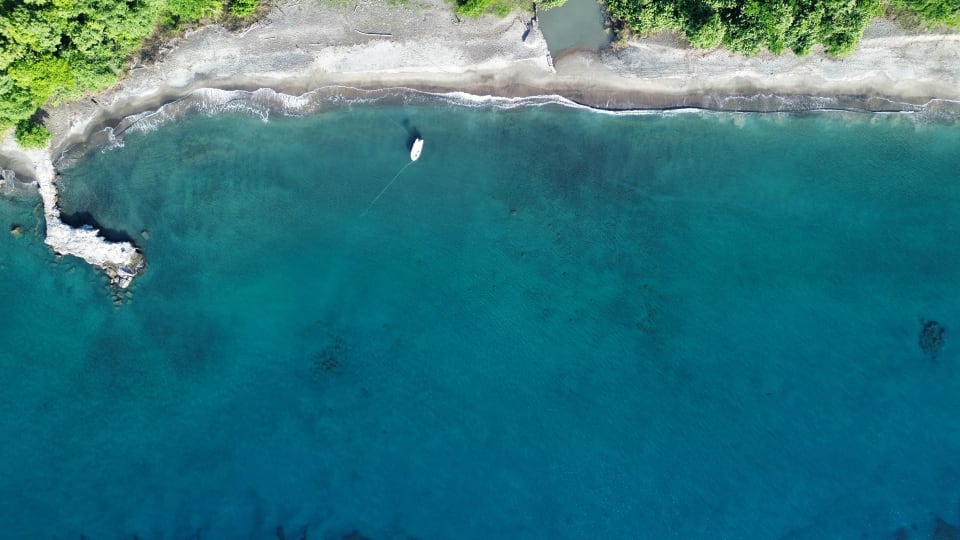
column 121, row 261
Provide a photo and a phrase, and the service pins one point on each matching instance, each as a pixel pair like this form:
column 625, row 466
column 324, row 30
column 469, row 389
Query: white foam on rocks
column 121, row 261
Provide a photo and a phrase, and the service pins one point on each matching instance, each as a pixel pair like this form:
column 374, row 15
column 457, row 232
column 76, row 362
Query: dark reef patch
column 329, row 358
column 944, row 531
column 932, row 336
column 281, row 534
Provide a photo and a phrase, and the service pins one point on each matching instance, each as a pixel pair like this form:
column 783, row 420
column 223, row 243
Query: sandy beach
column 423, row 45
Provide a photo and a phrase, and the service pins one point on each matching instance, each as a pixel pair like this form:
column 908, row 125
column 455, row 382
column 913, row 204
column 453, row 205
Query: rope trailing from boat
column 384, row 190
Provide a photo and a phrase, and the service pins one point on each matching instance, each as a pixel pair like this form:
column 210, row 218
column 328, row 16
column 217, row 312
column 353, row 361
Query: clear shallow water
column 577, row 24
column 556, row 324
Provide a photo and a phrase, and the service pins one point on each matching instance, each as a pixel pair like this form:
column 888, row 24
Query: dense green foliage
column 475, row 8
column 931, row 12
column 747, row 26
column 180, row 11
column 32, row 135
column 56, row 50
column 244, row 8
column 750, row 25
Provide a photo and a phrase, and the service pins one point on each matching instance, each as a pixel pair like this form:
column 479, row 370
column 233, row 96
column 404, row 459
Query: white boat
column 417, row 148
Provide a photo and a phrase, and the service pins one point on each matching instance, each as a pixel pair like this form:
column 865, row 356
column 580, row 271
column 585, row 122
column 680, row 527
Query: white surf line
column 121, row 261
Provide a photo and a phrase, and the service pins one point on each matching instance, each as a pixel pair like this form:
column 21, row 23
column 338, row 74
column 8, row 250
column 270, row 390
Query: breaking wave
column 266, row 102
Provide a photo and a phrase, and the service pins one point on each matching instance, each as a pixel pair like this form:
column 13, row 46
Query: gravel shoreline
column 423, row 45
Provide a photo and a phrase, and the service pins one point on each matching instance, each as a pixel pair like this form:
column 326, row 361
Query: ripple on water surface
column 555, row 324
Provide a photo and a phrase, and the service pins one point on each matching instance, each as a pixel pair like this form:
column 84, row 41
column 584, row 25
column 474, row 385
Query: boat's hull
column 416, row 150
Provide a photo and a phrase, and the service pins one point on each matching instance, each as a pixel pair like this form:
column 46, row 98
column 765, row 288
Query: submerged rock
column 943, row 530
column 329, row 359
column 16, row 230
column 932, row 336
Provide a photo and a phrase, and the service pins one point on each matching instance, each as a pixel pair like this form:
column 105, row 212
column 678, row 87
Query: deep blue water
column 555, row 324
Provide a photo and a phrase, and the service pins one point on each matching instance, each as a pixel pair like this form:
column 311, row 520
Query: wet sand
column 302, row 46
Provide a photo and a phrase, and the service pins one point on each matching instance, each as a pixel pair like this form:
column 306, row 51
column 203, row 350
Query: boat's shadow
column 412, row 132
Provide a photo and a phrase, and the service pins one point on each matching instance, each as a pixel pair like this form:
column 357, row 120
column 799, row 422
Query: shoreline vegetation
column 750, row 26
column 56, row 51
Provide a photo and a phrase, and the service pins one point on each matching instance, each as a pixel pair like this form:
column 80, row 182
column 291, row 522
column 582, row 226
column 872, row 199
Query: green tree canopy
column 747, row 26
column 56, row 50
column 932, row 12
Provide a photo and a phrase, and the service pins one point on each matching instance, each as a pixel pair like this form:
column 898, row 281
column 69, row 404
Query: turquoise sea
column 555, row 324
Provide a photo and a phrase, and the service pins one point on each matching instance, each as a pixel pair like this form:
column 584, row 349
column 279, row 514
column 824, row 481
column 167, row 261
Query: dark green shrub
column 188, row 11
column 931, row 12
column 31, row 135
column 244, row 8
column 748, row 26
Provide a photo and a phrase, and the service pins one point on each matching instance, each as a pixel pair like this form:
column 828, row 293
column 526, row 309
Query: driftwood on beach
column 374, row 34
